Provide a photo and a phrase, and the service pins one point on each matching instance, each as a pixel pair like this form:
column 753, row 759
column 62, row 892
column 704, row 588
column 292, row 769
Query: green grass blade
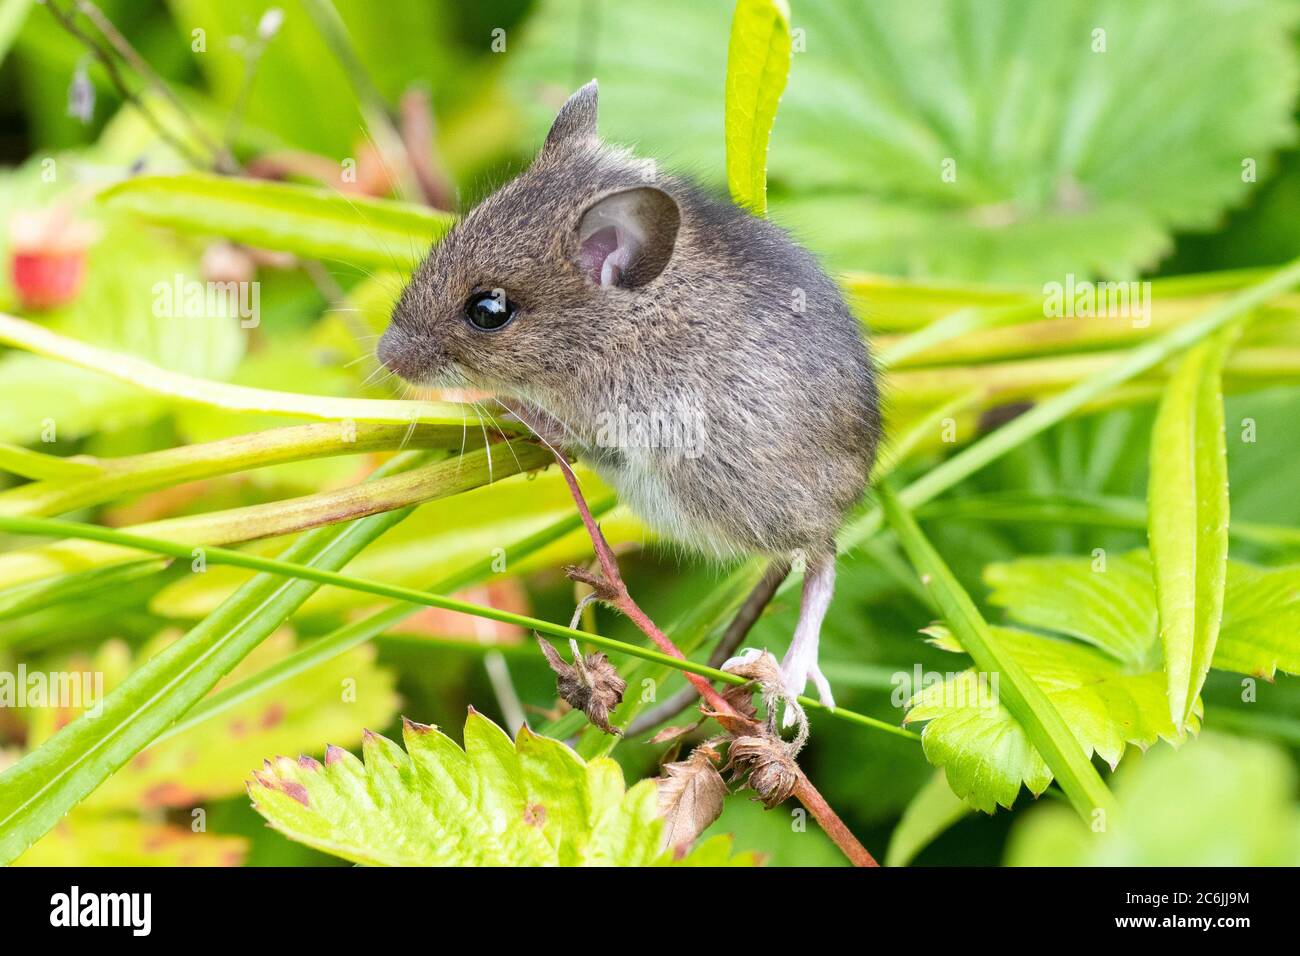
column 415, row 486
column 1023, row 698
column 111, row 478
column 758, row 62
column 350, row 635
column 306, row 220
column 34, row 464
column 1046, row 414
column 1187, row 501
column 319, row 576
column 31, row 337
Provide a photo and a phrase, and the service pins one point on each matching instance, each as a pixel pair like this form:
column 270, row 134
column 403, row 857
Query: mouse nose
column 394, row 351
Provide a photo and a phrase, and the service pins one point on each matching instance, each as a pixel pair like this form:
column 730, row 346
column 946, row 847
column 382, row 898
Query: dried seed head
column 766, row 761
column 590, row 684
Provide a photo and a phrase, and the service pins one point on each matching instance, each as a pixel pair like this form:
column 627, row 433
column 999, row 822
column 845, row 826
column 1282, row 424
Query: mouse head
column 523, row 290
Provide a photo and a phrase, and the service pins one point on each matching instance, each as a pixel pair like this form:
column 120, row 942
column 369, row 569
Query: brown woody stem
column 612, row 590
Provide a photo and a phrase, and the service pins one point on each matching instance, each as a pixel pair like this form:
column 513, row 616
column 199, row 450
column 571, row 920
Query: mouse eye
column 489, row 311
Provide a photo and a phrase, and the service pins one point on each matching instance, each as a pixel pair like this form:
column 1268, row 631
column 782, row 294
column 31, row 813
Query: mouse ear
column 576, row 119
column 626, row 238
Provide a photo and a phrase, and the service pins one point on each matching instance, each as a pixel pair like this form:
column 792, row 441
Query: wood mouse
column 696, row 357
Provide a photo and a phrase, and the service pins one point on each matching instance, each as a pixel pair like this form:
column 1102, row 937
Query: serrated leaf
column 1044, row 734
column 497, row 802
column 1188, row 519
column 306, row 220
column 1260, row 634
column 987, row 755
column 1115, row 609
column 758, row 61
column 1110, row 605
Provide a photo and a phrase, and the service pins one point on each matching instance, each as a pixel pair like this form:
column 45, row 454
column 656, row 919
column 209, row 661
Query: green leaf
column 987, row 754
column 114, row 316
column 1235, row 807
column 234, row 398
column 530, row 802
column 1260, row 634
column 1044, row 729
column 305, row 220
column 38, row 466
column 1115, row 609
column 1110, row 605
column 758, row 61
column 1188, row 514
column 932, row 811
column 210, row 760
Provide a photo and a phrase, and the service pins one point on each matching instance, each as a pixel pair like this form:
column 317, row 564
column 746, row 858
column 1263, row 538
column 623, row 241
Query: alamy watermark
column 675, row 426
column 76, row 690
column 957, row 689
column 190, row 299
column 1082, row 299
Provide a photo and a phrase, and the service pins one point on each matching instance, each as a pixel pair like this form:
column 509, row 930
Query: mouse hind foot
column 800, row 664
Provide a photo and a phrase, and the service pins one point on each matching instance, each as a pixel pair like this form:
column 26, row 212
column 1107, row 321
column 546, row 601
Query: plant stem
column 240, row 559
column 91, row 481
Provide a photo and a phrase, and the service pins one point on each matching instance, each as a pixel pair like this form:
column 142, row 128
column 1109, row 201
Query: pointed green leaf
column 758, row 61
column 1188, row 519
column 528, row 802
column 1034, row 713
column 1115, row 609
column 988, row 755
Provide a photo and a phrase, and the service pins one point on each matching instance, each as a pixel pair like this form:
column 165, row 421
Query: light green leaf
column 932, row 811
column 1115, row 609
column 1187, row 498
column 1035, row 726
column 306, row 220
column 38, row 465
column 530, row 802
column 988, row 755
column 758, row 61
column 1110, row 605
column 115, row 316
column 1260, row 634
column 210, row 760
column 1235, row 807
